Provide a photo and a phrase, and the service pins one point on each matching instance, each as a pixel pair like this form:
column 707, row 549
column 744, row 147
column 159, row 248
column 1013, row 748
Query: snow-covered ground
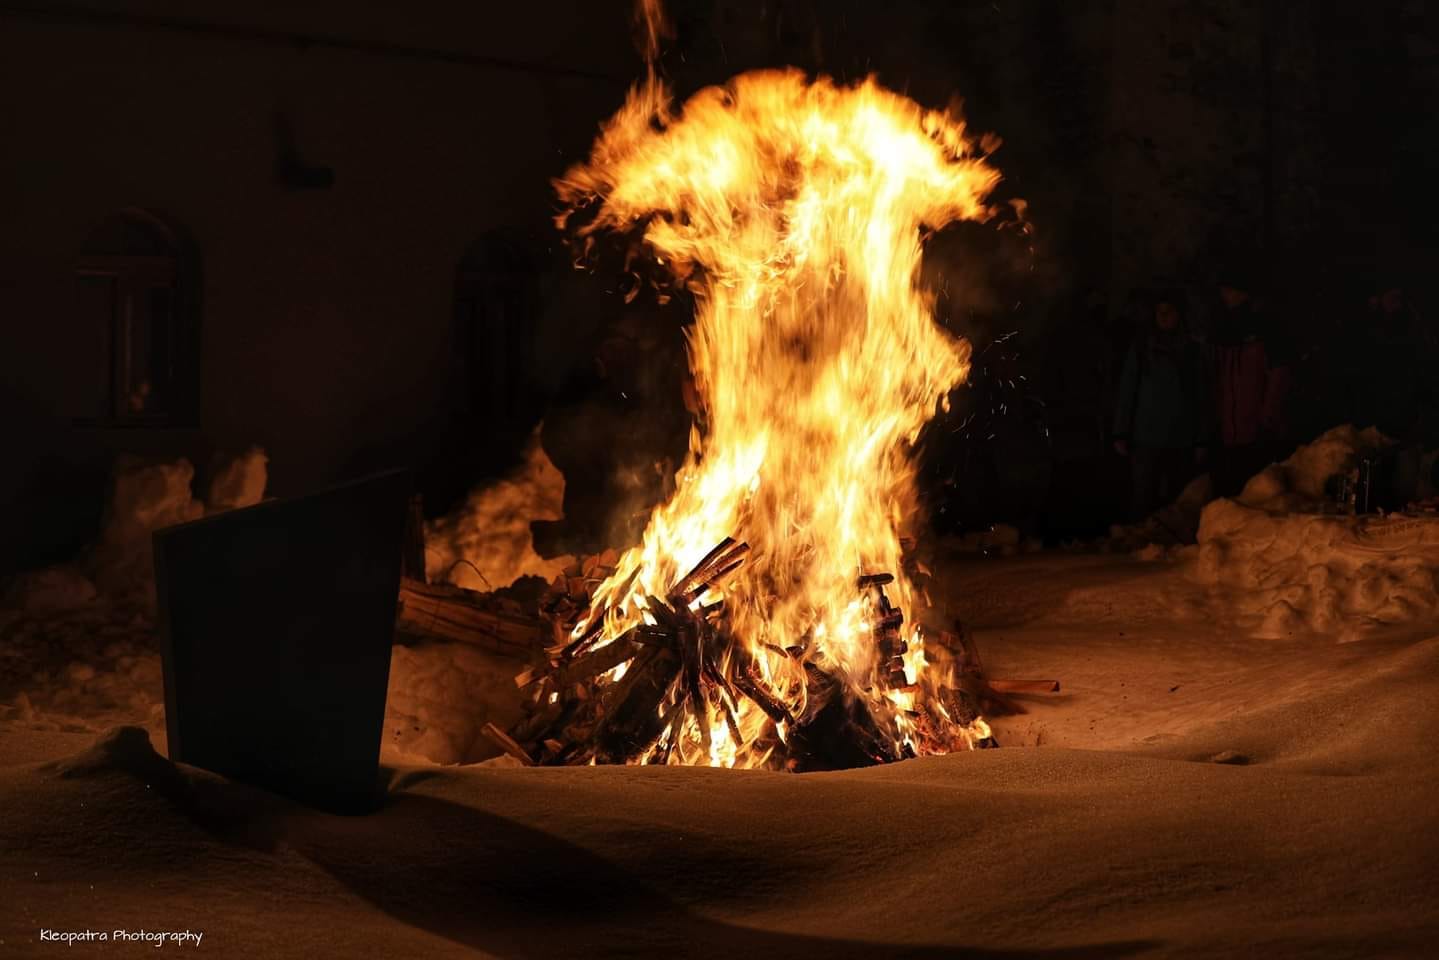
column 1194, row 790
column 1240, row 763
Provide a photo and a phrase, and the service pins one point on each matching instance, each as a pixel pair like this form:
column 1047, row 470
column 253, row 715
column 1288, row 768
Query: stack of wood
column 679, row 665
column 440, row 612
column 683, row 662
column 682, row 666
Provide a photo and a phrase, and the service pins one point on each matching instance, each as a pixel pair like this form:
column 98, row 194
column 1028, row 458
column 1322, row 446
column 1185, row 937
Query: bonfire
column 760, row 621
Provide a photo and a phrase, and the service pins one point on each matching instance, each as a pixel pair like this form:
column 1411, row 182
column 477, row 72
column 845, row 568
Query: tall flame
column 794, row 209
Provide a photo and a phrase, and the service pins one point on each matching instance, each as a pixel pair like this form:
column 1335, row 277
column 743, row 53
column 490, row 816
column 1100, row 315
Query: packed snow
column 1219, row 775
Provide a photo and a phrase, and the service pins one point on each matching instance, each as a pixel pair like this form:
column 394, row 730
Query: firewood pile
column 682, row 665
column 598, row 698
column 439, row 612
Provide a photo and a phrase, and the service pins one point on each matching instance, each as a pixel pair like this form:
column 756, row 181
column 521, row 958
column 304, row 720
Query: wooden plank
column 507, row 743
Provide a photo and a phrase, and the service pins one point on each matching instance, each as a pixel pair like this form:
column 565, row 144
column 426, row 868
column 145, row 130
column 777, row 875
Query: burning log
column 633, row 725
column 964, row 708
column 507, row 743
column 886, row 630
column 719, row 563
column 599, row 661
column 604, row 693
column 836, row 731
column 674, row 663
column 748, row 683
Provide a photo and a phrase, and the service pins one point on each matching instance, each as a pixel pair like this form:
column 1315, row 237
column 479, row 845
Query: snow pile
column 85, row 669
column 77, row 641
column 486, row 544
column 1282, row 571
column 120, row 748
column 143, row 498
column 51, row 590
column 441, row 695
column 1304, row 572
column 1169, row 526
column 97, row 666
column 239, row 482
column 147, row 496
column 1298, row 484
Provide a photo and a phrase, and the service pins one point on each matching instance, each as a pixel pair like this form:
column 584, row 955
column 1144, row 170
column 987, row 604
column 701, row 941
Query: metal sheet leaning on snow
column 276, row 623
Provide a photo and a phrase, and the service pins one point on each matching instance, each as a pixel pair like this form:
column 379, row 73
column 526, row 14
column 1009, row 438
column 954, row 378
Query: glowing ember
column 794, row 210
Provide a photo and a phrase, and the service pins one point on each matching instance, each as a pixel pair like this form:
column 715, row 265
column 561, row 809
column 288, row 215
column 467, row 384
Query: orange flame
column 794, row 209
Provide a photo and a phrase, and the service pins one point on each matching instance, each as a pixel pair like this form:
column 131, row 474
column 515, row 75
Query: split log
column 837, row 731
column 965, row 708
column 598, row 661
column 440, row 612
column 632, row 722
column 724, row 559
column 506, row 743
column 886, row 631
column 745, row 679
column 537, row 725
column 683, row 661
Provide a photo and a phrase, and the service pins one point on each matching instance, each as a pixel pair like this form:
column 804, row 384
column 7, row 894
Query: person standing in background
column 1387, row 373
column 1252, row 373
column 1162, row 416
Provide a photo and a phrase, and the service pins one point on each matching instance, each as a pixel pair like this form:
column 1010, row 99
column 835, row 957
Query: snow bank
column 1303, row 572
column 51, row 590
column 486, row 544
column 97, row 666
column 78, row 649
column 148, row 496
column 239, row 482
column 85, row 669
column 1282, row 568
column 1298, row 484
column 143, row 498
column 441, row 695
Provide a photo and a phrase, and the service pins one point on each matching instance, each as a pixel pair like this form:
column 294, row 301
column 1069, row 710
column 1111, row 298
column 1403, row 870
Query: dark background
column 349, row 211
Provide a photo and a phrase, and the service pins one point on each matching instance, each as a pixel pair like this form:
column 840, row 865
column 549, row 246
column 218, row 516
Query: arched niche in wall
column 498, row 291
column 138, row 305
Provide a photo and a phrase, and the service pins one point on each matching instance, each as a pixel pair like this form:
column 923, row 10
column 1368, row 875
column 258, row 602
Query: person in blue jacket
column 1162, row 420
